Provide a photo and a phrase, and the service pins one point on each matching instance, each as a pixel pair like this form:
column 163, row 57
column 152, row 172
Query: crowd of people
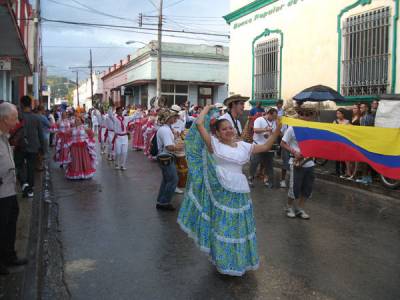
column 201, row 149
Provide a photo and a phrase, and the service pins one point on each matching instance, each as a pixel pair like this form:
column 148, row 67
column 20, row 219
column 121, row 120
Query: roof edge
column 247, row 9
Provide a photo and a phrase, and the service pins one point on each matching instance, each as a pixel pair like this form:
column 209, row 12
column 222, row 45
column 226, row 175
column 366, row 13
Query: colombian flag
column 378, row 147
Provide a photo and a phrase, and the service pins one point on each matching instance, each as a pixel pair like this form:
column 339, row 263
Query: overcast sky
column 65, row 45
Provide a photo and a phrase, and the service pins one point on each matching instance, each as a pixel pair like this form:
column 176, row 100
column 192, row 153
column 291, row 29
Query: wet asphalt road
column 118, row 246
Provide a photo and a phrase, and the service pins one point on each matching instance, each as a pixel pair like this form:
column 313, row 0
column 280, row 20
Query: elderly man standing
column 8, row 195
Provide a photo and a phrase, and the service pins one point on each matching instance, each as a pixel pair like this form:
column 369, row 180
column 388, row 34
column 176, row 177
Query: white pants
column 121, row 150
column 110, row 138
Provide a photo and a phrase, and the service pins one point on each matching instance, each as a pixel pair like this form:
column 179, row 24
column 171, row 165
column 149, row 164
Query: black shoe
column 3, row 270
column 17, row 261
column 168, row 207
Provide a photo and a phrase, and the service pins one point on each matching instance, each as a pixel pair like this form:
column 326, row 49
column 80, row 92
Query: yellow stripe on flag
column 385, row 141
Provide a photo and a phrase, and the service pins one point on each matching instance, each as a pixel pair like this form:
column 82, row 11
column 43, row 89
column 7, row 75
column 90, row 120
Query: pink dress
column 81, row 154
column 61, row 155
column 137, row 134
column 149, row 130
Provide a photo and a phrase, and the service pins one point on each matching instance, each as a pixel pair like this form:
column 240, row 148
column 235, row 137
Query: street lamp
column 133, row 42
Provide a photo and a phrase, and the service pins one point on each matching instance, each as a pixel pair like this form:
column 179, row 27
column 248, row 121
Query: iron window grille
column 366, row 53
column 266, row 73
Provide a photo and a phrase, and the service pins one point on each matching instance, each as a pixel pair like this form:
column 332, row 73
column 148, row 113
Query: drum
column 182, row 169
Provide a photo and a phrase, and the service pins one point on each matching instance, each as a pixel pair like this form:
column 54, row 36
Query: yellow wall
column 310, row 51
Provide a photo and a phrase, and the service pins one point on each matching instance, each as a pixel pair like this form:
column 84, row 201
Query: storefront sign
column 5, row 64
column 268, row 11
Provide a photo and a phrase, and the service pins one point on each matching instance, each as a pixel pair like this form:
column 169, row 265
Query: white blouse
column 230, row 161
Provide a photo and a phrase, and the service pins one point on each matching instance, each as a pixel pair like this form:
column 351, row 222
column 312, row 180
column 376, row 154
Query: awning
column 11, row 42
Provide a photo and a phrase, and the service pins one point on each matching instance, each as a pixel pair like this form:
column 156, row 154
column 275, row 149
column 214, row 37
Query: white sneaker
column 290, row 212
column 282, row 184
column 123, row 168
column 116, row 167
column 24, row 186
column 178, row 191
column 302, row 214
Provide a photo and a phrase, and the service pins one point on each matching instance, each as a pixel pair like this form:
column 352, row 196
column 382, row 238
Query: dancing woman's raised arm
column 205, row 135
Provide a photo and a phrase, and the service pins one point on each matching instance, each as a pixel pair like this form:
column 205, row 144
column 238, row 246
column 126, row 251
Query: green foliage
column 61, row 87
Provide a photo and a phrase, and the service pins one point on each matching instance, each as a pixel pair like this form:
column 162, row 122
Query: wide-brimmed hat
column 165, row 114
column 235, row 98
column 220, row 106
column 176, row 108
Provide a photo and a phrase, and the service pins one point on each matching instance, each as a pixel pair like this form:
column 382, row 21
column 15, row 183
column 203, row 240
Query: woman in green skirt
column 217, row 210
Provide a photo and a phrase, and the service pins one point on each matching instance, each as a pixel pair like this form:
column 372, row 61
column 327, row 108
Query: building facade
column 85, row 92
column 17, row 44
column 280, row 47
column 194, row 73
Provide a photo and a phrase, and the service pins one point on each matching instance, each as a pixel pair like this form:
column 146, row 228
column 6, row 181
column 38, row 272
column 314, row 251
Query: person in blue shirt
column 257, row 109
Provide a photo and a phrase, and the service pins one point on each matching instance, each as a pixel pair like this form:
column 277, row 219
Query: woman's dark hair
column 26, row 101
column 271, row 111
column 219, row 123
column 341, row 110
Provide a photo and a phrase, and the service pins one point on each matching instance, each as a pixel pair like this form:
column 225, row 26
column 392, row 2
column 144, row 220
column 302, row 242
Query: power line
column 132, row 27
column 100, row 12
column 194, row 17
column 145, row 33
column 90, row 10
column 167, row 6
column 84, row 47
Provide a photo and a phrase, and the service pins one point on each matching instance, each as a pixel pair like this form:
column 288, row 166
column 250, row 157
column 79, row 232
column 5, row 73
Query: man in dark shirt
column 257, row 109
column 26, row 154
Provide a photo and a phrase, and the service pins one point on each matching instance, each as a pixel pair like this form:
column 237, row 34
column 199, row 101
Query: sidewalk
column 21, row 282
column 11, row 286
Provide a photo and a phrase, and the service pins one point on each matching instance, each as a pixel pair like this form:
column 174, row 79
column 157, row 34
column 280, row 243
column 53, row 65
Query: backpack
column 154, row 146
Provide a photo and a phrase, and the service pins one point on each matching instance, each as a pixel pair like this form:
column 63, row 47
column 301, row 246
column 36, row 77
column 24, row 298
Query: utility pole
column 91, row 76
column 77, row 86
column 159, row 50
column 36, row 58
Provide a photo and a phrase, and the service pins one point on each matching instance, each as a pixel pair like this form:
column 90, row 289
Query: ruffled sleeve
column 247, row 149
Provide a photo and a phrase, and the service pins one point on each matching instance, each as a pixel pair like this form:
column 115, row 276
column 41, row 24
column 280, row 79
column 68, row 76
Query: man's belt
column 115, row 137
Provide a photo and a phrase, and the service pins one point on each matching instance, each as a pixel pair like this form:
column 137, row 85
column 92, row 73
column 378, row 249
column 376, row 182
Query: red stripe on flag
column 342, row 152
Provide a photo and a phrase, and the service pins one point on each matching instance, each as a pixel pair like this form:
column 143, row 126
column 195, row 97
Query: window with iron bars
column 366, row 53
column 266, row 70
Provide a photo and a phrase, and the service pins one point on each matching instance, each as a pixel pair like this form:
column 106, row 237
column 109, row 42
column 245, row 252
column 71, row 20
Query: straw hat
column 235, row 98
column 176, row 108
column 165, row 114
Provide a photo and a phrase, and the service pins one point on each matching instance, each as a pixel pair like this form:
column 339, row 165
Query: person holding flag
column 301, row 169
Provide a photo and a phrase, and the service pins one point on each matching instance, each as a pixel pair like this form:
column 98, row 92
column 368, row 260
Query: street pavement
column 118, row 246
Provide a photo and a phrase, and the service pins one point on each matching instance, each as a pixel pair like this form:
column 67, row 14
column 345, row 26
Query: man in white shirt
column 301, row 170
column 279, row 108
column 235, row 106
column 263, row 128
column 120, row 141
column 166, row 149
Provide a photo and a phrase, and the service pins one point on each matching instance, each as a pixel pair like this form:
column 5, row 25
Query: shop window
column 266, row 72
column 205, row 96
column 168, row 88
column 366, row 53
column 175, row 93
column 181, row 89
column 144, row 95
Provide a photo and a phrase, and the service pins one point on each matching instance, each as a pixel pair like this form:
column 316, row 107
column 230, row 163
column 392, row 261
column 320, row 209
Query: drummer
column 166, row 149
